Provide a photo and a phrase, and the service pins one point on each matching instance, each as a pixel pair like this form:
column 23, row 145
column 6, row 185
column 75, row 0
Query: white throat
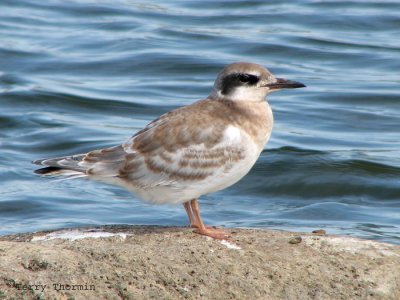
column 242, row 93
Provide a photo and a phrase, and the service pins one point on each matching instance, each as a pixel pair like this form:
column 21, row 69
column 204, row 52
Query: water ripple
column 80, row 75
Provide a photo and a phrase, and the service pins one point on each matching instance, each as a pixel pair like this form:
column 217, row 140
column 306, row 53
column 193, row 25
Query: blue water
column 81, row 75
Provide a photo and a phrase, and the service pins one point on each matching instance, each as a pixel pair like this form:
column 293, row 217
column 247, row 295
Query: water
column 81, row 75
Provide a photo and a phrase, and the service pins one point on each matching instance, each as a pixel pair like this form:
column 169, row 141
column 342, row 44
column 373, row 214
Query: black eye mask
column 237, row 79
column 248, row 78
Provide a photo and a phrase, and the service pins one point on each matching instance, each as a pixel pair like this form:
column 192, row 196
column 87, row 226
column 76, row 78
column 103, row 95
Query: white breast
column 228, row 173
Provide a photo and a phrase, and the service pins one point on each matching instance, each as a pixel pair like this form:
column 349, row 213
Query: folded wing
column 167, row 152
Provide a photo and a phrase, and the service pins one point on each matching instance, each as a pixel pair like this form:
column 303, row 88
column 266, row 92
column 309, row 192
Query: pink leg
column 192, row 218
column 201, row 228
column 189, row 212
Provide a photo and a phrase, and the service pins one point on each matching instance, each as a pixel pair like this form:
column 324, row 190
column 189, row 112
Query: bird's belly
column 179, row 189
column 185, row 190
column 230, row 177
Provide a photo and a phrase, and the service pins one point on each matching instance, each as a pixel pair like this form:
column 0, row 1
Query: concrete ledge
column 137, row 262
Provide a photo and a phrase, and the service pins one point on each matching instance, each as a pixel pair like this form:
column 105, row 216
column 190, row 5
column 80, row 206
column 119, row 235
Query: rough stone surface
column 132, row 262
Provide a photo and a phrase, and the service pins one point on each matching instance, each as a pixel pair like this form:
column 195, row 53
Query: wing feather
column 179, row 147
column 173, row 151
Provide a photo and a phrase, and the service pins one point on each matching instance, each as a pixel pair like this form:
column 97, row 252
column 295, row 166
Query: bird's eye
column 244, row 77
column 248, row 78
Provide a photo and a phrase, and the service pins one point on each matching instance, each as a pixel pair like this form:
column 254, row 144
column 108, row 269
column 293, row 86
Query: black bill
column 282, row 83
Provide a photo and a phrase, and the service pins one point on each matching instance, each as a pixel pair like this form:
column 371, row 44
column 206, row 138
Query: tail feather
column 66, row 165
column 64, row 162
column 104, row 162
column 47, row 170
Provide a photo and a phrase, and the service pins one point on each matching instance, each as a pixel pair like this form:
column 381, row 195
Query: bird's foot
column 207, row 227
column 213, row 233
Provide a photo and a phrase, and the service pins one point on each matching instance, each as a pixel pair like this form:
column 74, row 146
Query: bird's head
column 248, row 82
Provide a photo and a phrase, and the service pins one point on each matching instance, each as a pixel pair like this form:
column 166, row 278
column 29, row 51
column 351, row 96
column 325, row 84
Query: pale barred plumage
column 191, row 151
column 186, row 153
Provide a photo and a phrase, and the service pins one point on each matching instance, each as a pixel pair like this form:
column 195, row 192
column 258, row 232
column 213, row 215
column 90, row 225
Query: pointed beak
column 282, row 83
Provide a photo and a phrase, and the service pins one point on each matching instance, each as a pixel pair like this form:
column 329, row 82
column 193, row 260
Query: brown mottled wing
column 183, row 145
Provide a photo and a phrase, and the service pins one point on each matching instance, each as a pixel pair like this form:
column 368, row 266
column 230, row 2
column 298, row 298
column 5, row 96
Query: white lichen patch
column 73, row 235
column 350, row 245
column 230, row 245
